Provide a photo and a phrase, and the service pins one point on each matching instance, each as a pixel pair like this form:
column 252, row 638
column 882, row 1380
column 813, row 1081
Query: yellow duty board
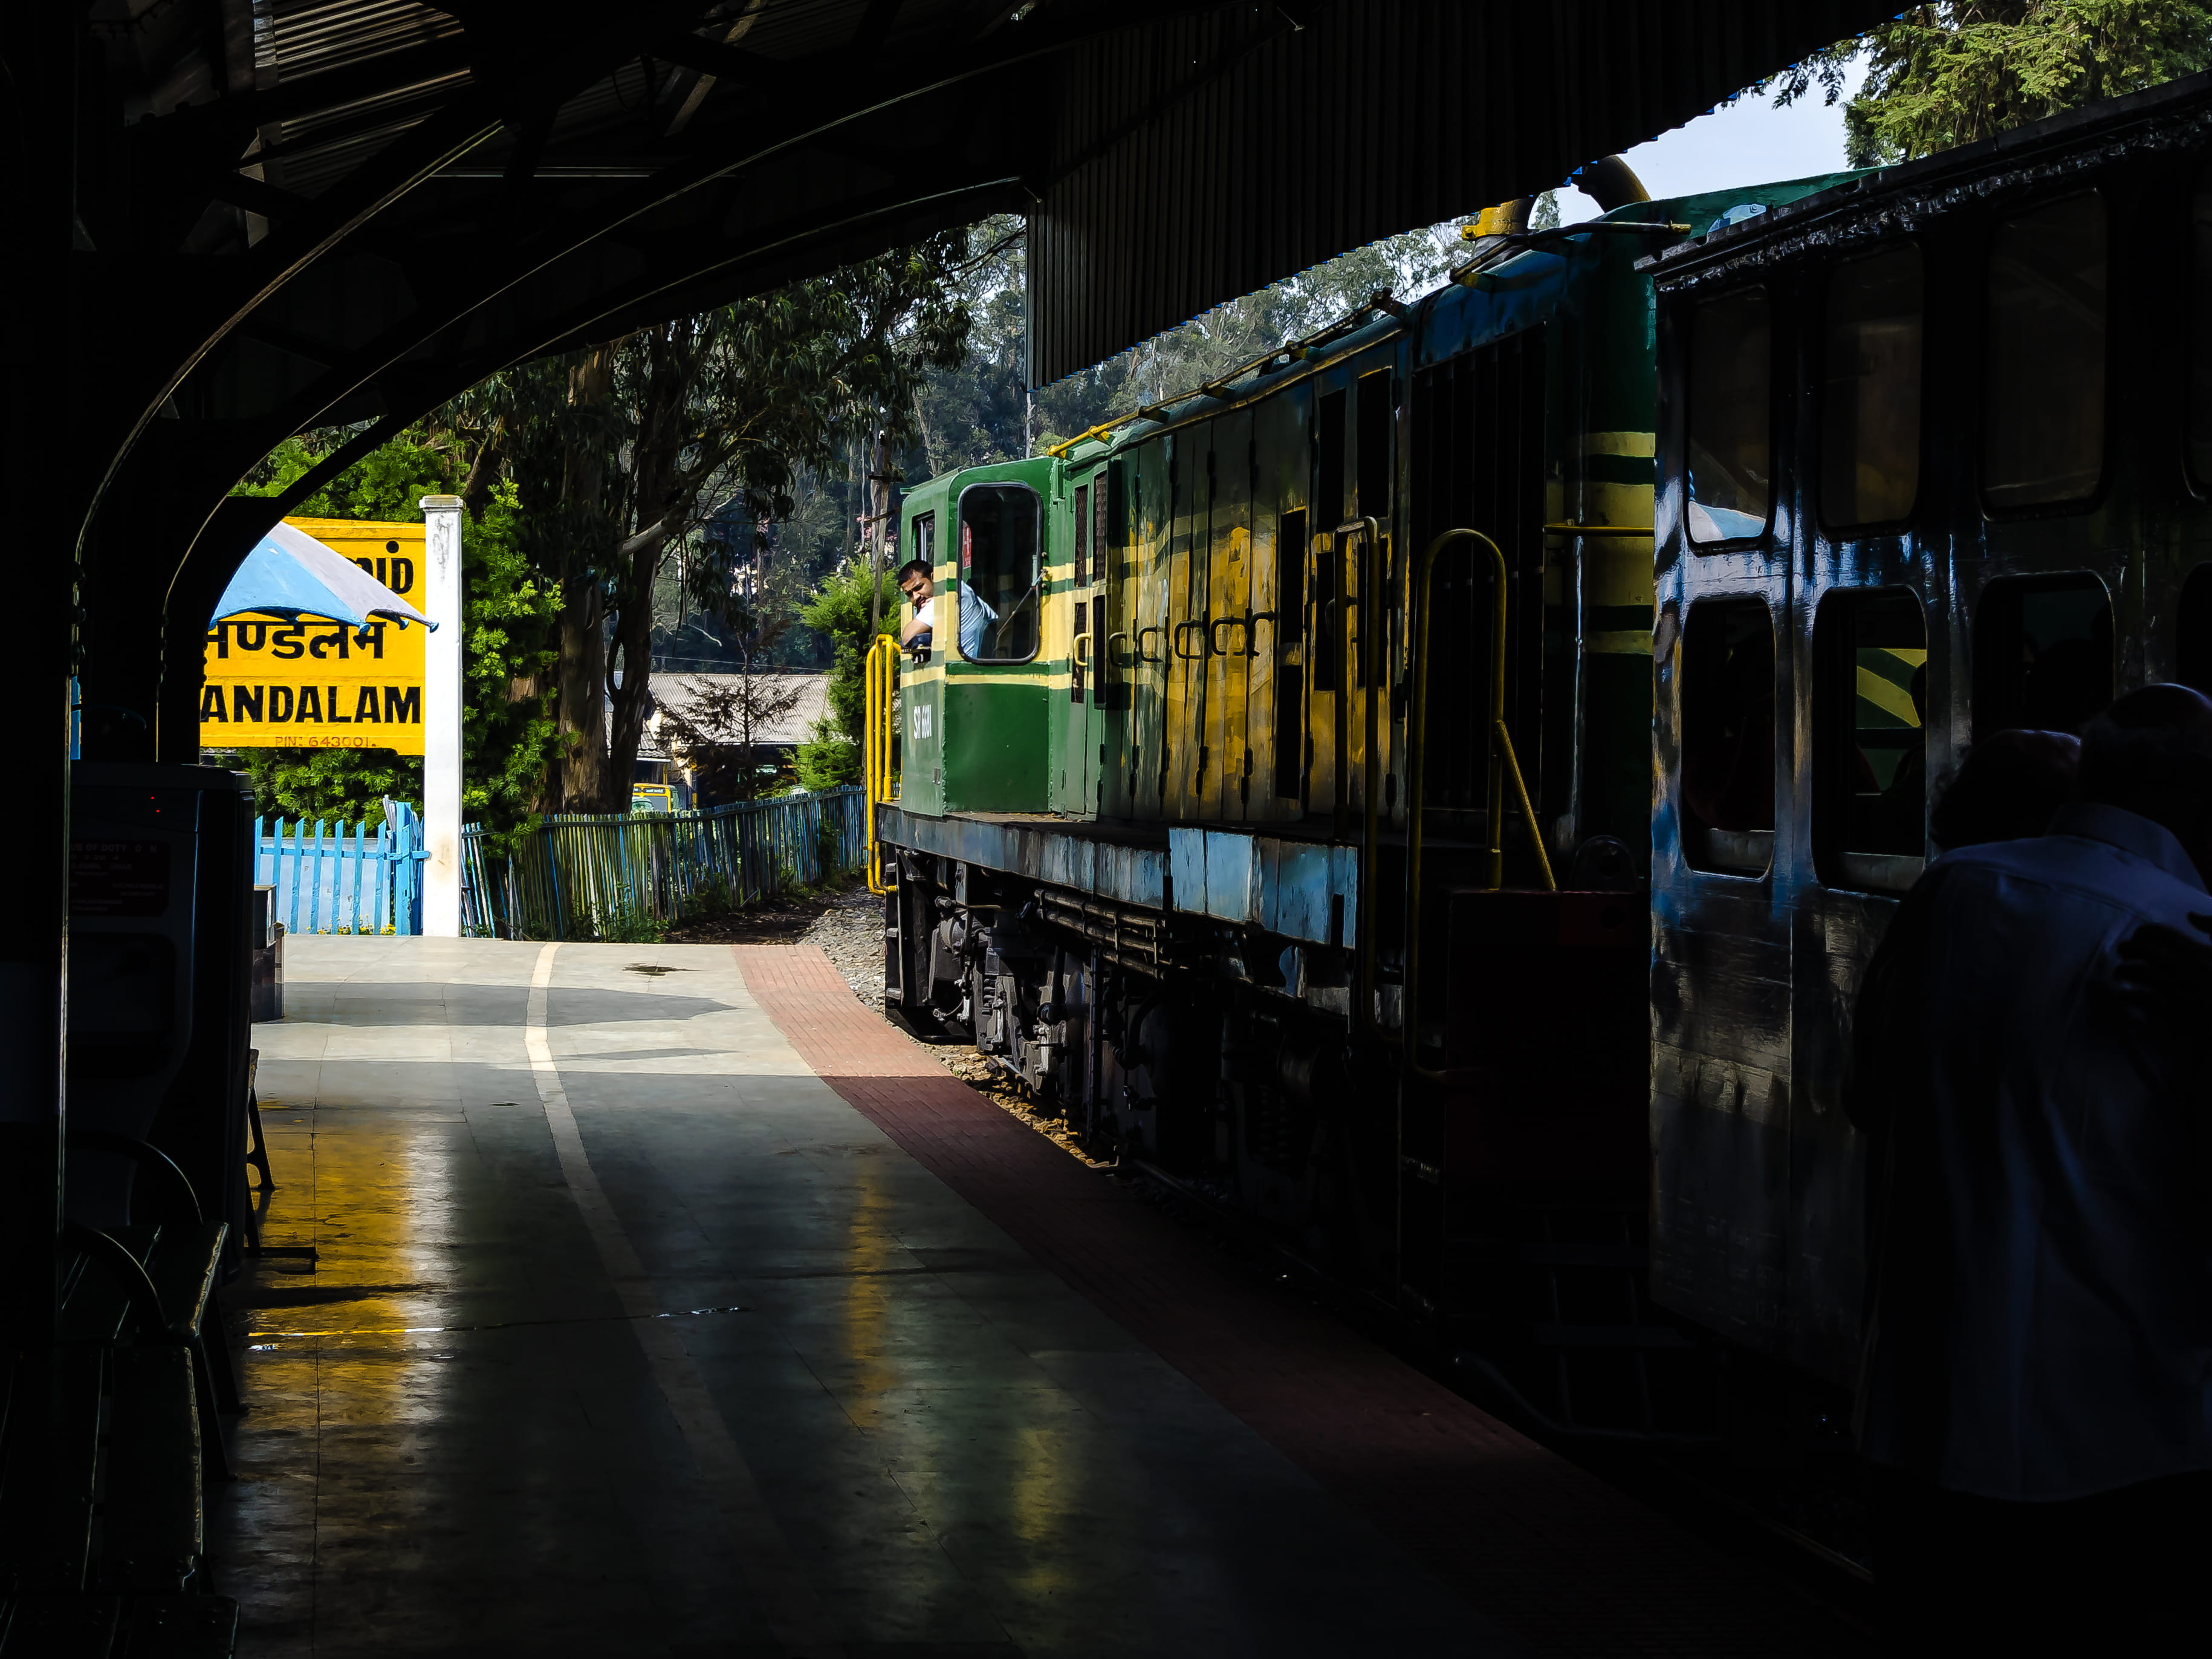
column 270, row 684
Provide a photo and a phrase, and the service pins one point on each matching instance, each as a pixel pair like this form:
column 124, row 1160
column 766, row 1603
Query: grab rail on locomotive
column 879, row 746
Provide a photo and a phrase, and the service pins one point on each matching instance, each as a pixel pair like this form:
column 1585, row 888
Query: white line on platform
column 792, row 1610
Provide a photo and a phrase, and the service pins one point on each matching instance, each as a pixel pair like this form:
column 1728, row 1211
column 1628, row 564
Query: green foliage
column 388, row 483
column 829, row 854
column 827, row 761
column 507, row 741
column 839, row 612
column 710, row 900
column 626, row 453
column 979, row 412
column 626, row 925
column 341, row 785
column 1961, row 70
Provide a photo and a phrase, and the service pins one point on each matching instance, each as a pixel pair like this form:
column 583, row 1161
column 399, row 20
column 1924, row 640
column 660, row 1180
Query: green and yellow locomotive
column 1273, row 795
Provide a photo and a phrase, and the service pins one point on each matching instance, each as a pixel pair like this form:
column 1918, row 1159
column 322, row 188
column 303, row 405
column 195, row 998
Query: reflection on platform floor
column 622, row 1333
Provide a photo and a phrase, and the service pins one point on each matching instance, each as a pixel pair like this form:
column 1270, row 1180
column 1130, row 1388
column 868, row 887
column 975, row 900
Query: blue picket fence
column 571, row 876
column 344, row 877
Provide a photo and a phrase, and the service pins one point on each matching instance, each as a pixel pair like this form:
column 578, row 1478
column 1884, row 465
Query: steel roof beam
column 484, row 281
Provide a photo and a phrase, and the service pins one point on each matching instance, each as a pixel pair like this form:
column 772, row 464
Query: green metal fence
column 582, row 875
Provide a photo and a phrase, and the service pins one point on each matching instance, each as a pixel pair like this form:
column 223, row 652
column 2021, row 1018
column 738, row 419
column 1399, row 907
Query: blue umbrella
column 291, row 574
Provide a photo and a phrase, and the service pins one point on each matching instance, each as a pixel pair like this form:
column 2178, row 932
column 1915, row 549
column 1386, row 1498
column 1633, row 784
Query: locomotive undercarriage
column 1497, row 1212
column 1162, row 1042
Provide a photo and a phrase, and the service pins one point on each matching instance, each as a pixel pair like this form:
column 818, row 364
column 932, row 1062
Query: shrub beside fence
column 573, row 876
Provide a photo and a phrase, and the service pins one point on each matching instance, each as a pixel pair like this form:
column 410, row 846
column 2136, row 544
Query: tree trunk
column 660, row 495
column 586, row 778
column 883, row 537
column 586, row 785
column 483, row 472
column 632, row 699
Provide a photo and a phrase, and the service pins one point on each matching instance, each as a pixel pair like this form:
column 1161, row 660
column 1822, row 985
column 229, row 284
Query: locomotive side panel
column 1225, row 754
column 1148, row 574
column 1607, row 602
column 1275, row 686
column 1190, row 480
column 921, row 683
column 993, row 635
column 1722, row 863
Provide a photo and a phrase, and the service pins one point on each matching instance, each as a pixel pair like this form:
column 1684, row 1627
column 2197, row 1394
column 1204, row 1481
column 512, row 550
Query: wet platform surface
column 666, row 1301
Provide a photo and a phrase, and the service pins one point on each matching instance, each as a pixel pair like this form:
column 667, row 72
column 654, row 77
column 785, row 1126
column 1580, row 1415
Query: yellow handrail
column 877, row 738
column 1502, row 759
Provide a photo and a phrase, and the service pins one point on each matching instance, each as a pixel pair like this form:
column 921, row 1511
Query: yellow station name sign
column 270, row 684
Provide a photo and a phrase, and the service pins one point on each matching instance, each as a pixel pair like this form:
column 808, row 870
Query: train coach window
column 2043, row 653
column 1870, row 413
column 1001, row 572
column 2043, row 386
column 1378, row 420
column 2192, row 632
column 1869, row 757
column 1727, row 783
column 1731, row 368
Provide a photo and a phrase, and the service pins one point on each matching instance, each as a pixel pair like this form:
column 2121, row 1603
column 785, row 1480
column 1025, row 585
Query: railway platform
column 663, row 1299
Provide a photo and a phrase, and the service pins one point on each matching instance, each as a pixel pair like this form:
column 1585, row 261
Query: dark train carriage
column 1933, row 453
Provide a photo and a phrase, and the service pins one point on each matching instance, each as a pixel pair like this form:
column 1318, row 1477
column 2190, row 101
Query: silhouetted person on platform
column 2037, row 1393
column 2009, row 786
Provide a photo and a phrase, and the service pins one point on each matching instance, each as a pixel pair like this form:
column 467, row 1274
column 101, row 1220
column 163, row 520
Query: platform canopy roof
column 242, row 219
column 352, row 207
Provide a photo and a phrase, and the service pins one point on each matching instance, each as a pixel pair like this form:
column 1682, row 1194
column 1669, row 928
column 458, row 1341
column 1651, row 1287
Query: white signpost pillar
column 441, row 719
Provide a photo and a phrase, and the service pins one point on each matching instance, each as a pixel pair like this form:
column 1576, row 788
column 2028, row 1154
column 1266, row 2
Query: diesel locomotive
column 1432, row 791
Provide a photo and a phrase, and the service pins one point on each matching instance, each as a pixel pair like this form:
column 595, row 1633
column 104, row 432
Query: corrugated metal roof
column 295, row 38
column 681, row 693
column 1203, row 158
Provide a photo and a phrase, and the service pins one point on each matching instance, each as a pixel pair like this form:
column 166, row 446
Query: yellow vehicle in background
column 652, row 797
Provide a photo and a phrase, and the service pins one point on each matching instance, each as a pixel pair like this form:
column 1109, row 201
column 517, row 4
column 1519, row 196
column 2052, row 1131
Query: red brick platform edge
column 1568, row 1563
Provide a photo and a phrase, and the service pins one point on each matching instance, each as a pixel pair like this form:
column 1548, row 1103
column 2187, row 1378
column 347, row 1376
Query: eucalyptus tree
column 1960, row 71
column 620, row 452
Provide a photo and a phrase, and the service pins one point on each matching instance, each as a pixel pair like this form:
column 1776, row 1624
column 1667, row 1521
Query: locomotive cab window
column 1870, row 412
column 2043, row 653
column 2043, row 383
column 1730, row 417
column 1870, row 758
column 1001, row 572
column 1727, row 783
column 1081, row 574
